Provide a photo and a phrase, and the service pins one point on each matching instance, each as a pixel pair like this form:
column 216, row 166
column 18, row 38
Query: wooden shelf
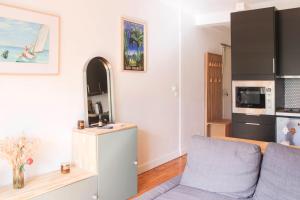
column 220, row 121
column 44, row 183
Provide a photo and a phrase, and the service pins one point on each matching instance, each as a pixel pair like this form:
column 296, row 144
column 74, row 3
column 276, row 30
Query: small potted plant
column 18, row 152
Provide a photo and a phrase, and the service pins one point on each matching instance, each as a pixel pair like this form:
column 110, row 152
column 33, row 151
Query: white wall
column 49, row 107
column 279, row 4
column 196, row 41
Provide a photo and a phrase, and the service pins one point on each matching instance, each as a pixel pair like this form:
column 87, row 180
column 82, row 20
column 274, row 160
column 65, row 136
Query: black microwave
column 250, row 97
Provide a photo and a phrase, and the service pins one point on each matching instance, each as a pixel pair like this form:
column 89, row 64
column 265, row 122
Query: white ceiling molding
column 240, row 6
column 217, row 18
column 172, row 3
column 223, row 17
column 213, row 18
column 279, row 4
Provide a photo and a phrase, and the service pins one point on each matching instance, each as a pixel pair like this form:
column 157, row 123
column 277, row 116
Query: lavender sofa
column 224, row 170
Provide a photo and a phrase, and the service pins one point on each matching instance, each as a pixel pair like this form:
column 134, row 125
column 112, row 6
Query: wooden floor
column 160, row 174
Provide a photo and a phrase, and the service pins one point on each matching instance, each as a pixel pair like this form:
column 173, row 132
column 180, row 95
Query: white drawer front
column 82, row 190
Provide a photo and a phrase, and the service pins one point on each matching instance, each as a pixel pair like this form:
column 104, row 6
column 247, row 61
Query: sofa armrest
column 159, row 190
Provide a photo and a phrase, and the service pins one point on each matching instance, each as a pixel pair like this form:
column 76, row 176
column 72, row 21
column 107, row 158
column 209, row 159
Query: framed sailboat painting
column 29, row 42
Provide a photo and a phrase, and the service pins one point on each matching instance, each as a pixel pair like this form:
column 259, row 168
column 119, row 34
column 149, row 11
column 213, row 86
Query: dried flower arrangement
column 18, row 152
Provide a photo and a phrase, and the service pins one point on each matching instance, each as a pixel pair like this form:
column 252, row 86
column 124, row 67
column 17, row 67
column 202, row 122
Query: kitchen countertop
column 263, row 145
column 287, row 114
column 44, row 183
column 101, row 131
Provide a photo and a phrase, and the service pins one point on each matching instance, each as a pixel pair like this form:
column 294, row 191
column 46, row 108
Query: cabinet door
column 253, row 44
column 253, row 131
column 288, row 42
column 82, row 190
column 117, row 165
column 260, row 128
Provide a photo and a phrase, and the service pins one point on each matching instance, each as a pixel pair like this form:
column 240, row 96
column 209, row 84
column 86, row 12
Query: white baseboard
column 183, row 150
column 158, row 161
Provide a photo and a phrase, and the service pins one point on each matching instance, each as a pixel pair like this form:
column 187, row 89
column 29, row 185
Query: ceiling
column 201, row 7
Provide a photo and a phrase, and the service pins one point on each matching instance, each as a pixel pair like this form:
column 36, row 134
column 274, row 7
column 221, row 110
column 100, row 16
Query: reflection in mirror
column 98, row 84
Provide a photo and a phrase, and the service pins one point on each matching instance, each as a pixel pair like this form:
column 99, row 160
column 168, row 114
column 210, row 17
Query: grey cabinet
column 112, row 155
column 253, row 36
column 82, row 190
column 117, row 165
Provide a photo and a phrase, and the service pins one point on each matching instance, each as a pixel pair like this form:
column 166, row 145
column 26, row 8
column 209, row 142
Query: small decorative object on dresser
column 134, row 47
column 18, row 152
column 80, row 124
column 65, row 168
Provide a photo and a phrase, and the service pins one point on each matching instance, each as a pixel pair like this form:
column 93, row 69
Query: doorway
column 227, row 95
column 218, row 93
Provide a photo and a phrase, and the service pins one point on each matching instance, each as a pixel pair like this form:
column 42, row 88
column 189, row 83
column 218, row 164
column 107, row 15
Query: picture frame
column 134, row 44
column 29, row 42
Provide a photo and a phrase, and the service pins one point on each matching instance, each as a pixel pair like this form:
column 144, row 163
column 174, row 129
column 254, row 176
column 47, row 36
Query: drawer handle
column 135, row 162
column 250, row 114
column 95, row 197
column 253, row 124
column 274, row 66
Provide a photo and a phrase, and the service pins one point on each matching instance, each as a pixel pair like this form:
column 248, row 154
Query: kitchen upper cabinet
column 253, row 38
column 288, row 30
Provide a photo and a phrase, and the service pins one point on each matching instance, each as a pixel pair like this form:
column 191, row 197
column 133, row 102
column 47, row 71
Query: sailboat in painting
column 31, row 52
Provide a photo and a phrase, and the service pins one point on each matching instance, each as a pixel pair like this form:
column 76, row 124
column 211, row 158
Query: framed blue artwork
column 134, row 45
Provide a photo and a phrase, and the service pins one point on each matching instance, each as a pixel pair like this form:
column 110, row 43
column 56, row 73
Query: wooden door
column 213, row 87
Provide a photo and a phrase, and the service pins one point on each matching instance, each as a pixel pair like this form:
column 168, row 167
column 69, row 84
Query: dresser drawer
column 82, row 190
column 261, row 119
column 253, row 131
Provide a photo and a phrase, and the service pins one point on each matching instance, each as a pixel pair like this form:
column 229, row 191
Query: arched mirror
column 98, row 91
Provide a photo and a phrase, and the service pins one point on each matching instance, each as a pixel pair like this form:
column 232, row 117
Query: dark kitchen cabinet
column 253, row 36
column 260, row 128
column 288, row 29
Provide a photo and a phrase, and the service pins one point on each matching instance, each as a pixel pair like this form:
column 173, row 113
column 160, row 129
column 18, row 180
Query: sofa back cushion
column 280, row 174
column 224, row 167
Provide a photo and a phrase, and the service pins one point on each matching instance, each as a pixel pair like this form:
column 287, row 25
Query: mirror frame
column 110, row 91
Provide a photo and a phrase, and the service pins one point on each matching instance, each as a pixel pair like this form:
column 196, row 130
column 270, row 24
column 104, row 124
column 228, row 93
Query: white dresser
column 112, row 155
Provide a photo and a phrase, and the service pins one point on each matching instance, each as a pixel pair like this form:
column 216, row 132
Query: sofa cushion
column 224, row 167
column 280, row 174
column 182, row 192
